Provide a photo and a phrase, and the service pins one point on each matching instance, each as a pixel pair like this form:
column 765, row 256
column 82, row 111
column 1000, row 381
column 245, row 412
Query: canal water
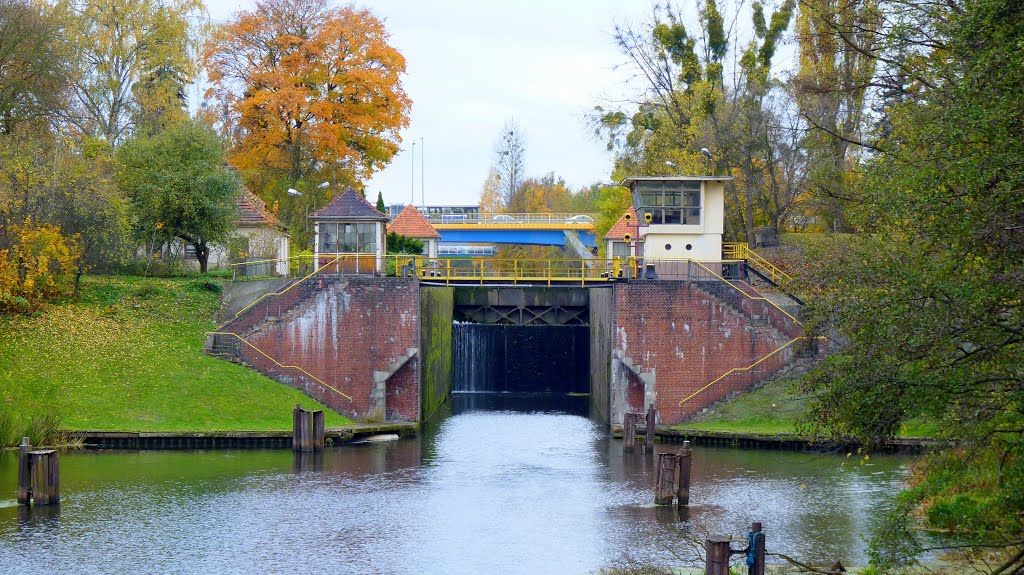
column 482, row 491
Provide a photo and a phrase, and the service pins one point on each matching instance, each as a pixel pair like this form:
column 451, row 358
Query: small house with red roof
column 412, row 224
column 258, row 235
column 623, row 240
column 349, row 234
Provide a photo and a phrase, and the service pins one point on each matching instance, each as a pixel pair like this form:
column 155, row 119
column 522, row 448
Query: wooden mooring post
column 665, row 479
column 24, row 472
column 672, row 477
column 45, row 477
column 628, row 431
column 685, row 462
column 755, row 549
column 318, row 430
column 717, row 552
column 307, row 430
column 652, row 418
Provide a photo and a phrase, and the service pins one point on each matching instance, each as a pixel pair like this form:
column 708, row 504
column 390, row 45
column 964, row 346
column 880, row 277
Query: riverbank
column 775, row 410
column 235, row 439
column 128, row 356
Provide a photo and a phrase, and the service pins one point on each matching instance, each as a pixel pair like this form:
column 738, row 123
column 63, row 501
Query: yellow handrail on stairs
column 742, row 251
column 279, row 364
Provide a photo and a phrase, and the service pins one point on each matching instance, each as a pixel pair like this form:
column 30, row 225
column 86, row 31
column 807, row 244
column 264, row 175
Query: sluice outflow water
column 521, row 359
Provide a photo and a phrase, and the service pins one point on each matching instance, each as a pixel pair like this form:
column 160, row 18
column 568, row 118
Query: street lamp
column 294, row 193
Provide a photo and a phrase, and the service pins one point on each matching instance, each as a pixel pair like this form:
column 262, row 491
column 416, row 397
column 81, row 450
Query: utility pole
column 412, row 176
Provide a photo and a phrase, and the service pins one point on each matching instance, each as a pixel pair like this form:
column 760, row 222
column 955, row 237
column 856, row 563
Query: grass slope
column 128, row 356
column 775, row 409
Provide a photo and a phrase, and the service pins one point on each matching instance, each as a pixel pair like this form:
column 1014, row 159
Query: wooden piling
column 24, row 472
column 628, row 431
column 665, row 479
column 297, row 428
column 685, row 462
column 652, row 417
column 45, row 477
column 307, row 430
column 759, row 549
column 318, row 430
column 716, row 550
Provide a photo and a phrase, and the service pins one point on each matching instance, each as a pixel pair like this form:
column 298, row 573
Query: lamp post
column 412, row 176
column 423, row 189
column 711, row 160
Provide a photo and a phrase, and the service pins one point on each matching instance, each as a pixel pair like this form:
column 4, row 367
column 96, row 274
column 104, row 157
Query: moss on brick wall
column 436, row 304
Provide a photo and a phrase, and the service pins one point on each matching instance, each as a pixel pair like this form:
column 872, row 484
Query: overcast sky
column 474, row 64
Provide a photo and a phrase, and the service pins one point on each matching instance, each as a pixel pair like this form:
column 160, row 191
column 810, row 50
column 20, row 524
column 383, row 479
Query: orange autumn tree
column 307, row 93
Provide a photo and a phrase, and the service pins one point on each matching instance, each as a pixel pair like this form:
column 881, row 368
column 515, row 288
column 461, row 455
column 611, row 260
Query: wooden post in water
column 24, row 472
column 683, row 475
column 318, row 430
column 759, row 549
column 297, row 428
column 45, row 477
column 628, row 431
column 665, row 479
column 716, row 550
column 652, row 417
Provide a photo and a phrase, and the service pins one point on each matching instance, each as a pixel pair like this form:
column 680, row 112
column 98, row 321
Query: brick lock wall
column 689, row 337
column 341, row 330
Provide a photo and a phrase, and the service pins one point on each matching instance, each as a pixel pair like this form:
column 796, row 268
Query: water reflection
column 481, row 491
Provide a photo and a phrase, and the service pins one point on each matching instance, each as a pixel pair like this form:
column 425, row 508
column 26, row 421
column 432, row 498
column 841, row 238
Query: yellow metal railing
column 754, row 298
column 742, row 251
column 287, row 289
column 281, row 365
column 739, row 369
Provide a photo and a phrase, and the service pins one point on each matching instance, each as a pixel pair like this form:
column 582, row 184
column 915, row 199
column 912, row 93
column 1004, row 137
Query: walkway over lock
column 522, row 229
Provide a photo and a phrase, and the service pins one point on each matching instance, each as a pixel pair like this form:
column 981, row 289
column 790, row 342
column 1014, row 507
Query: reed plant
column 41, row 429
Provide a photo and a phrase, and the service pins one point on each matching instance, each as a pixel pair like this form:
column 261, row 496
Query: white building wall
column 670, row 241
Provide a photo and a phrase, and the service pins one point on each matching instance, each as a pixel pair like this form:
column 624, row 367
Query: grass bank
column 128, row 356
column 774, row 409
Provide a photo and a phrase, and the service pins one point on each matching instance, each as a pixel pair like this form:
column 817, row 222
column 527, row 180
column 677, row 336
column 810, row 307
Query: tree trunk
column 203, row 255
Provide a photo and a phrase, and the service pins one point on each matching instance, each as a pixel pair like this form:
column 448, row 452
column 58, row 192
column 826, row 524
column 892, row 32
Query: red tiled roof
column 349, row 205
column 411, row 223
column 252, row 211
column 621, row 228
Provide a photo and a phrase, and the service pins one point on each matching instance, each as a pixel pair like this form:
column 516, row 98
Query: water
column 482, row 492
column 521, row 358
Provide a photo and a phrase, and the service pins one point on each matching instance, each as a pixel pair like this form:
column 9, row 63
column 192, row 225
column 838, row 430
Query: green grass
column 128, row 356
column 770, row 410
column 774, row 410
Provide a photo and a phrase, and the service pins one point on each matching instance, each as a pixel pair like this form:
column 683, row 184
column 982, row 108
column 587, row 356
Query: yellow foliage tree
column 309, row 92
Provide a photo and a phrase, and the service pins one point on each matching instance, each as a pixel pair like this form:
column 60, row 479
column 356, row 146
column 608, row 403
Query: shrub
column 40, row 268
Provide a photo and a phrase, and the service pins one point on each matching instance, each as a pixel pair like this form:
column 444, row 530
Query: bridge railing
column 495, row 219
